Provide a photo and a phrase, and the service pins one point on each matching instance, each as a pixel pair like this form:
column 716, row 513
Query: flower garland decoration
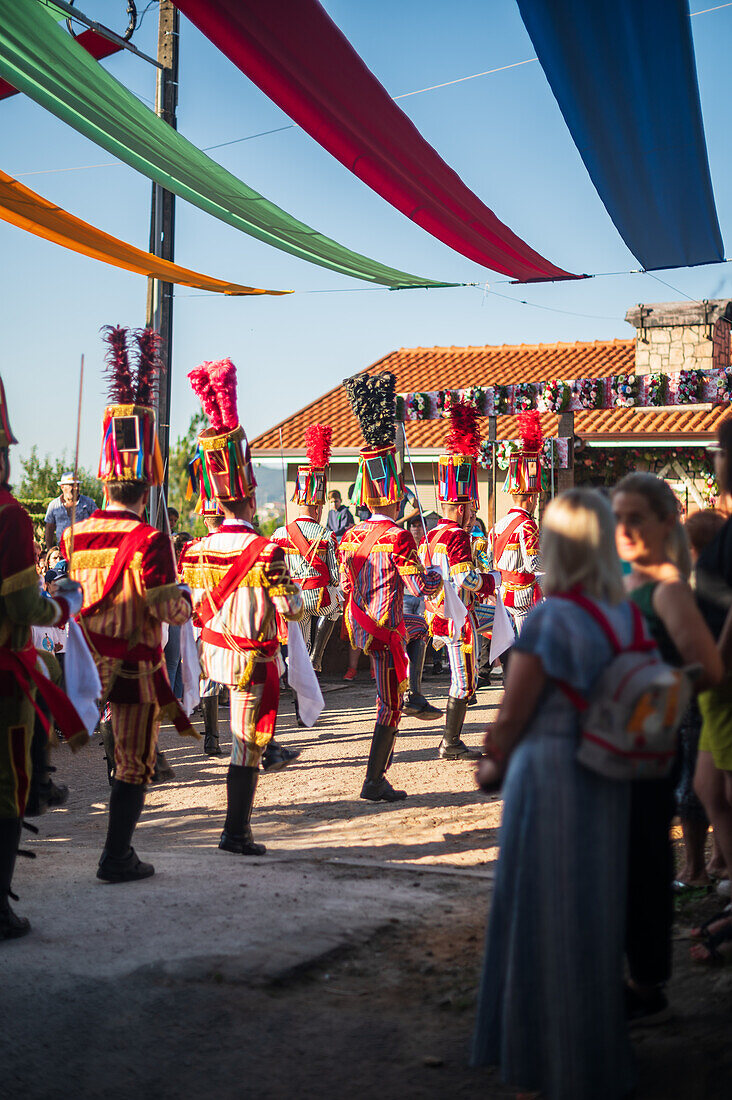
column 587, row 391
column 504, row 451
column 501, row 399
column 475, row 396
column 524, row 397
column 710, row 491
column 689, row 386
column 555, row 396
column 444, row 400
column 485, row 454
column 724, row 386
column 623, row 390
column 419, row 406
column 657, row 389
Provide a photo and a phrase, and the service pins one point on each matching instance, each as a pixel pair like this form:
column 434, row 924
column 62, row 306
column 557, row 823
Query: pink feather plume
column 317, row 444
column 214, row 384
column 463, row 437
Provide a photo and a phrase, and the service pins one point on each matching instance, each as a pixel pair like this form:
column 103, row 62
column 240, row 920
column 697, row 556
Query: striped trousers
column 253, row 713
column 135, row 727
column 17, row 718
column 463, row 661
column 388, row 696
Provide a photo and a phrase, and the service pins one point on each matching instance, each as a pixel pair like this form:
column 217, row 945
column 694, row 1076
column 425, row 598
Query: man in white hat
column 61, row 508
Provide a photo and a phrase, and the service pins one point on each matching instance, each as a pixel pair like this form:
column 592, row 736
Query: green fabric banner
column 40, row 58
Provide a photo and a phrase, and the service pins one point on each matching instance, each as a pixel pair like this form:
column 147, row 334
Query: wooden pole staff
column 284, row 475
column 74, row 488
column 416, row 493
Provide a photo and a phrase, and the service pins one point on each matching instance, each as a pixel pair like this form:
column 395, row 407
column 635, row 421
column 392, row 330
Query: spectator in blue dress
column 59, row 511
column 551, row 1010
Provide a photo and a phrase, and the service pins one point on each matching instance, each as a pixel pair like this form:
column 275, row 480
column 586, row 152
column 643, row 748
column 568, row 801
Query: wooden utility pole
column 159, row 313
column 565, row 427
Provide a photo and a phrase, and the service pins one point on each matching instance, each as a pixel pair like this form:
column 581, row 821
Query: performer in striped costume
column 514, row 541
column 213, row 517
column 22, row 605
column 245, row 584
column 128, row 573
column 311, row 550
column 448, row 548
column 378, row 561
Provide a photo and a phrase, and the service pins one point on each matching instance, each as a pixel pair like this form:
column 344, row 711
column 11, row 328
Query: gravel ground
column 344, row 962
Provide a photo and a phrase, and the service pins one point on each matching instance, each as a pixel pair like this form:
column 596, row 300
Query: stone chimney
column 672, row 336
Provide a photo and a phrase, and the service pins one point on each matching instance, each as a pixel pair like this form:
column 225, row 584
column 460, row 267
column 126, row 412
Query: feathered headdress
column 380, row 477
column 226, row 467
column 311, row 483
column 524, row 465
column 130, row 448
column 458, row 473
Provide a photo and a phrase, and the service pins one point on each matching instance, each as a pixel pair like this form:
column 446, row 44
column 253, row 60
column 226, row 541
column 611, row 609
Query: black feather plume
column 149, row 365
column 373, row 400
column 119, row 375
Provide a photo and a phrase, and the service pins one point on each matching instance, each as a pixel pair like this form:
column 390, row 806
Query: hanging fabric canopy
column 95, row 44
column 307, row 67
column 24, row 208
column 624, row 76
column 42, row 60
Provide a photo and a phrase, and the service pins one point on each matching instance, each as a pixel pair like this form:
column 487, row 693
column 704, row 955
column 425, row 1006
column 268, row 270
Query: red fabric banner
column 95, row 44
column 300, row 59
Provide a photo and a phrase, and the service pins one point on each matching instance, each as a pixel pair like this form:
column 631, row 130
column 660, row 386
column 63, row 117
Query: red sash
column 126, row 550
column 306, row 551
column 23, row 665
column 391, row 638
column 501, row 541
column 212, row 602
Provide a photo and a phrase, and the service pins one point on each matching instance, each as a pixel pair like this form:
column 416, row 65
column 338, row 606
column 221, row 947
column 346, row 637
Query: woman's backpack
column 629, row 724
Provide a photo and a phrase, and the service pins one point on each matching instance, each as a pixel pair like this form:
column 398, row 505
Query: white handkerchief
column 301, row 678
column 454, row 607
column 190, row 668
column 83, row 685
column 502, row 637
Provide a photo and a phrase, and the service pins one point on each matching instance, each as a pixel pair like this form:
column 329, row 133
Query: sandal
column 697, row 933
column 711, row 942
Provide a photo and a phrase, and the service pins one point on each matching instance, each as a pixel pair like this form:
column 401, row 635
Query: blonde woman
column 551, row 1009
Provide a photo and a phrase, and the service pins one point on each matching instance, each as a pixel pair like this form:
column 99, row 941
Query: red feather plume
column 215, row 386
column 119, row 375
column 149, row 365
column 317, row 444
column 529, row 425
column 463, row 437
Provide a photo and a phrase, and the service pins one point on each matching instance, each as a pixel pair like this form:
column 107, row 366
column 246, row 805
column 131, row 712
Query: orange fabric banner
column 24, row 208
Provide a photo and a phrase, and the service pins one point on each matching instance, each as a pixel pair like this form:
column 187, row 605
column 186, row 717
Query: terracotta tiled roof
column 456, row 368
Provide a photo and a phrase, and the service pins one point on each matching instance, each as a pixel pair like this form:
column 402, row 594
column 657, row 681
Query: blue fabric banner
column 624, row 76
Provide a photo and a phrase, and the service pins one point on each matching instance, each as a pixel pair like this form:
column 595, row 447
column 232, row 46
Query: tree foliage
column 40, row 477
column 181, row 452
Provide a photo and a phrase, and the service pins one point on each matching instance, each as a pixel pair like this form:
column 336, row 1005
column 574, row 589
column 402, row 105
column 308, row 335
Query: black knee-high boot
column 415, row 704
column 107, row 736
column 451, row 746
column 241, row 783
column 12, row 927
column 210, row 709
column 377, row 787
column 323, row 631
column 43, row 793
column 119, row 861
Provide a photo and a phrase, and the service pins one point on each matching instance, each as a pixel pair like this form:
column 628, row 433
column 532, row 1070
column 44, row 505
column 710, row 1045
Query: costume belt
column 392, row 638
column 119, row 649
column 267, row 648
column 23, row 664
column 525, row 579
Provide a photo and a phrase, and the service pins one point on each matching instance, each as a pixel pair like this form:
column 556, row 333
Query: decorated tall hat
column 312, row 480
column 130, row 448
column 524, row 465
column 380, row 478
column 6, row 432
column 458, row 470
column 225, row 461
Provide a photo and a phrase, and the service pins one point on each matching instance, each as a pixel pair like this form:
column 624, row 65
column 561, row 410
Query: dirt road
column 344, row 963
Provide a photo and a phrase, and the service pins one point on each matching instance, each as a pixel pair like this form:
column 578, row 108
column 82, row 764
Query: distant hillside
column 269, row 483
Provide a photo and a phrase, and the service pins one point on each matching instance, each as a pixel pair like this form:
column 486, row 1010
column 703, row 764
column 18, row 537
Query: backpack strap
column 602, row 621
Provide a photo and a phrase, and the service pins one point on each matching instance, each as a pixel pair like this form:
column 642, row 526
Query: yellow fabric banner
column 22, row 207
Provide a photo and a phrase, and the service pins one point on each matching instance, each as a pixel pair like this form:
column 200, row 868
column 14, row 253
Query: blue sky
column 502, row 133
